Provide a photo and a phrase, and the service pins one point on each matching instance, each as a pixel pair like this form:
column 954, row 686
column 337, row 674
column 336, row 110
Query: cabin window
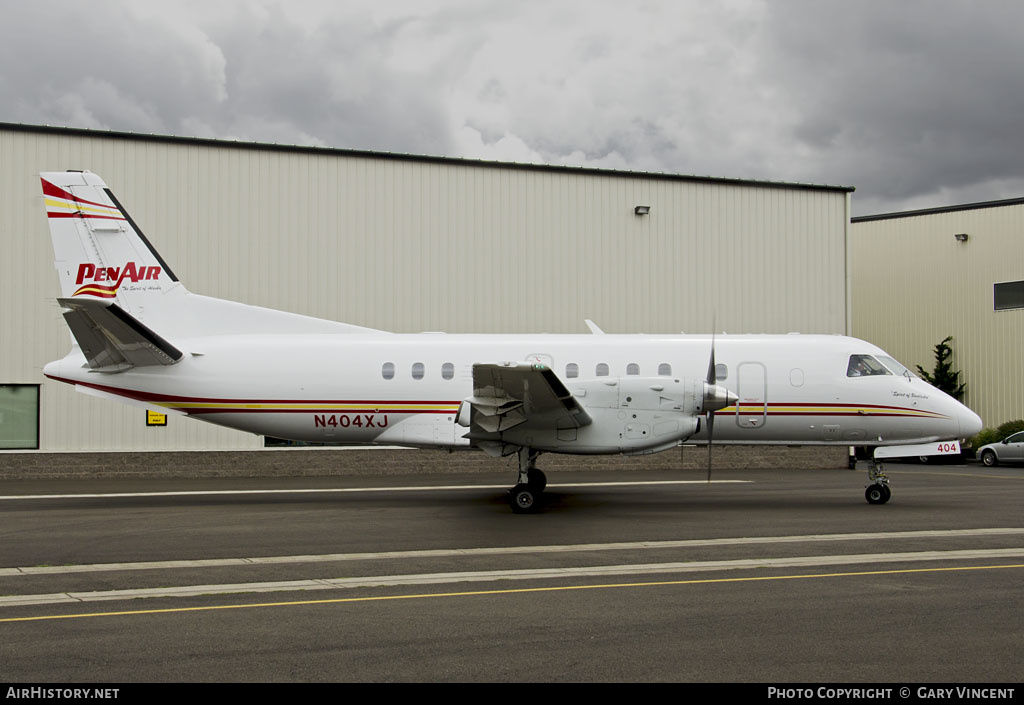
column 388, row 370
column 721, row 372
column 865, row 366
column 572, row 370
column 417, row 370
column 601, row 370
column 632, row 369
column 665, row 369
column 447, row 370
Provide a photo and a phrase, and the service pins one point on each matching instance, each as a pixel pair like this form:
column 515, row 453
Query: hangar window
column 388, row 370
column 19, row 416
column 865, row 366
column 1008, row 295
column 632, row 369
column 447, row 370
column 417, row 370
column 602, row 369
column 572, row 370
column 665, row 369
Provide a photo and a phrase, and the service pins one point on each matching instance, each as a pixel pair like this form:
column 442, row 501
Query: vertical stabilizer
column 99, row 250
column 102, row 255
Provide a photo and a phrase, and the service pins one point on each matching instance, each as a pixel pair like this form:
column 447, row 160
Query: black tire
column 877, row 494
column 537, row 479
column 989, row 459
column 523, row 499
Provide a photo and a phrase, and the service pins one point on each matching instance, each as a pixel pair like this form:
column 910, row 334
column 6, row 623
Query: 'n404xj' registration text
column 350, row 420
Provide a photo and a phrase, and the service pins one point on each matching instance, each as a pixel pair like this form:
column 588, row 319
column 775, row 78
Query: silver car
column 1008, row 450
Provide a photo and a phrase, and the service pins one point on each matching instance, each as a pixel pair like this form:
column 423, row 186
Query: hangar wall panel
column 914, row 284
column 408, row 244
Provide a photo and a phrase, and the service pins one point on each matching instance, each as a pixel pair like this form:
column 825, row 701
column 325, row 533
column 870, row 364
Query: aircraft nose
column 970, row 423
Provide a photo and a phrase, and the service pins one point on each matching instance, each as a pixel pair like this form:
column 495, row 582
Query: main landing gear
column 525, row 496
column 878, row 491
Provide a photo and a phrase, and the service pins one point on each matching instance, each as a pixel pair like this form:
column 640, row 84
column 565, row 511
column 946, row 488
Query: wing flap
column 507, row 395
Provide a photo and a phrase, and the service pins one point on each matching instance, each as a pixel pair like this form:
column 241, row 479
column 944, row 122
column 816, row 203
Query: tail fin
column 102, row 255
column 100, row 251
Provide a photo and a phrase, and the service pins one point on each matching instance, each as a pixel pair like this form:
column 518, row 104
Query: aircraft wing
column 511, row 394
column 112, row 340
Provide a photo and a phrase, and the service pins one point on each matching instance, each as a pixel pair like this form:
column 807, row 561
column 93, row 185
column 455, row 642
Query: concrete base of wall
column 316, row 462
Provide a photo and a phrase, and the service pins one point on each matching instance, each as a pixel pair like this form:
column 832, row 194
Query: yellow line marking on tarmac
column 509, row 591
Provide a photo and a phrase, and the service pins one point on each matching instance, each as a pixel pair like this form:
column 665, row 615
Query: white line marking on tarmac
column 421, row 488
column 502, row 550
column 495, row 575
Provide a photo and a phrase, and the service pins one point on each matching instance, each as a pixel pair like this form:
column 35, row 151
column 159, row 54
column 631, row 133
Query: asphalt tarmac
column 761, row 576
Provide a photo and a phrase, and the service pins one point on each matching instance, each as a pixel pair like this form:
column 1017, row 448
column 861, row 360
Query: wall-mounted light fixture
column 642, row 210
column 961, row 237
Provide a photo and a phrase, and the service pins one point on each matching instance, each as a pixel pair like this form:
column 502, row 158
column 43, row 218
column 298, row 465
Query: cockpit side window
column 895, row 367
column 865, row 366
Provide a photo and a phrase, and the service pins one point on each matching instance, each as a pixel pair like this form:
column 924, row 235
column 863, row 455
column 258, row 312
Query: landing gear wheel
column 877, row 494
column 538, row 480
column 989, row 459
column 523, row 499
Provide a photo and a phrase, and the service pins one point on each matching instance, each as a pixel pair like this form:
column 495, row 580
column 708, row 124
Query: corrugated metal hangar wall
column 920, row 276
column 410, row 244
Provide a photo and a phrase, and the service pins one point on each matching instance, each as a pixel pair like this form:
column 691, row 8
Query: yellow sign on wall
column 154, row 418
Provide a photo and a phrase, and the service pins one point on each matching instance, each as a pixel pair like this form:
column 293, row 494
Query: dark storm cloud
column 915, row 103
column 96, row 65
column 335, row 82
column 257, row 76
column 908, row 101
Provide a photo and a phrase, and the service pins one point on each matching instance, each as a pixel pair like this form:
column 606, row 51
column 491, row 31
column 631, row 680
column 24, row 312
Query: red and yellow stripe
column 64, row 204
column 806, row 409
column 104, row 292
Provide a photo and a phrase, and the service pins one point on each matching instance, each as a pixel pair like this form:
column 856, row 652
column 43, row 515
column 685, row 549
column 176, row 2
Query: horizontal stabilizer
column 112, row 340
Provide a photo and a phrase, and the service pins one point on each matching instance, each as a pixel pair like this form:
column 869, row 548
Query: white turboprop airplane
column 141, row 337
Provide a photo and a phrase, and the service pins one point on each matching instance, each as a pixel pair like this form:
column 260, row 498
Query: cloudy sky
column 916, row 103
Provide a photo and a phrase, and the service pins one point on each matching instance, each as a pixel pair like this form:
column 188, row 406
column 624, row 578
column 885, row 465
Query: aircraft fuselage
column 406, row 389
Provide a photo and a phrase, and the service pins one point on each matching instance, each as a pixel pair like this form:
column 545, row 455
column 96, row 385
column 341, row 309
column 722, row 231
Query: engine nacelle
column 629, row 415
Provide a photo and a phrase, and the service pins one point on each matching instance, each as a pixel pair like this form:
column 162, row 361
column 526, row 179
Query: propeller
column 715, row 398
column 710, row 382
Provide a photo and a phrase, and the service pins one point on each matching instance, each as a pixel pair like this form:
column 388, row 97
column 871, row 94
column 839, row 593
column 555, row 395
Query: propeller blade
column 709, row 411
column 711, row 434
column 711, row 365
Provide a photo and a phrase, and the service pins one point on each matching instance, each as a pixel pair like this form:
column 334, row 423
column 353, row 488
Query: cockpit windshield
column 865, row 366
column 895, row 367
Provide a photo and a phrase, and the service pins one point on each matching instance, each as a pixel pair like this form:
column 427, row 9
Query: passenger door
column 752, row 389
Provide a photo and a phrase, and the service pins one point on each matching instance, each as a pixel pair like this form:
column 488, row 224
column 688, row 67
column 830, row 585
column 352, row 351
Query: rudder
column 99, row 250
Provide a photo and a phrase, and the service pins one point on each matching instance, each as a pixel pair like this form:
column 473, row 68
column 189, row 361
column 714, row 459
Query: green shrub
column 1009, row 428
column 994, row 435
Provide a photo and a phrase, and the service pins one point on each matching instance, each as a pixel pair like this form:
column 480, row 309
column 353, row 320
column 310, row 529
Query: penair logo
column 91, row 277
